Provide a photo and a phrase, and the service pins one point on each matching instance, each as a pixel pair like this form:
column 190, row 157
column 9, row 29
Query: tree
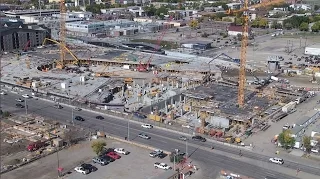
column 288, row 25
column 227, row 19
column 193, row 24
column 307, row 143
column 263, row 23
column 286, row 140
column 304, row 26
column 97, row 146
column 315, row 27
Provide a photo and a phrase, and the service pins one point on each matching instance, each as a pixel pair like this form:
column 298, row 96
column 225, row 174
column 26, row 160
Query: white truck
column 163, row 166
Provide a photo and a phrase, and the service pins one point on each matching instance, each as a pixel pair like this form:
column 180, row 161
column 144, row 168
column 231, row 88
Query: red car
column 113, row 155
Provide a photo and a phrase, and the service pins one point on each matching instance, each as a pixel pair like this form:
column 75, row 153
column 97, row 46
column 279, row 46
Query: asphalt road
column 159, row 138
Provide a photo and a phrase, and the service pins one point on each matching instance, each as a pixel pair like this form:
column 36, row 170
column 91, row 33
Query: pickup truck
column 163, row 166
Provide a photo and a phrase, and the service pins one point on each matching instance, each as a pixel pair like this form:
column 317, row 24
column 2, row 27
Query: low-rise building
column 235, row 30
column 305, row 7
column 45, row 12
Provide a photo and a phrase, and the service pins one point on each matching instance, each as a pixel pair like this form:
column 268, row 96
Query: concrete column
column 134, row 84
column 171, row 101
column 180, row 98
column 165, row 107
column 181, row 112
column 177, row 85
column 149, row 84
column 172, row 84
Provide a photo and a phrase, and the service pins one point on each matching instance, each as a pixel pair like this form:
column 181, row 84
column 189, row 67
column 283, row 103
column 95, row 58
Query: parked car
column 81, row 170
column 143, row 136
column 57, row 106
column 99, row 117
column 187, row 126
column 89, row 167
column 199, row 138
column 19, row 105
column 19, row 100
column 276, row 160
column 3, row 93
column 121, row 151
column 100, row 160
column 79, row 118
column 147, row 126
column 26, row 96
column 113, row 155
column 315, row 150
column 155, row 153
column 183, row 138
column 163, row 166
column 77, row 109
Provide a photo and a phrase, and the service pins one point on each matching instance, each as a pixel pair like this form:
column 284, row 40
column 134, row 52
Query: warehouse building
column 313, row 50
column 18, row 13
column 16, row 36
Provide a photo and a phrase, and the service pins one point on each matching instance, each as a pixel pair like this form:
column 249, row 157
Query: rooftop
column 314, row 46
column 296, row 130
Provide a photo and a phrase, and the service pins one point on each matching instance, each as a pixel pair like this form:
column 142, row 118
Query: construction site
column 24, row 138
column 187, row 90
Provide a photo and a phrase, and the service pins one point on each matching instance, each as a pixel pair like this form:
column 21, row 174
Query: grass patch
column 163, row 44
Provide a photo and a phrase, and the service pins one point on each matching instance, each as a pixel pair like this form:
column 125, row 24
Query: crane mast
column 243, row 56
column 62, row 35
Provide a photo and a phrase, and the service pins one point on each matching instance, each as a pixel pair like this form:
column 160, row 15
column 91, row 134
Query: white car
column 19, row 100
column 148, row 126
column 276, row 160
column 163, row 166
column 81, row 170
column 25, row 96
column 314, row 150
column 3, row 93
column 77, row 109
column 187, row 126
column 121, row 151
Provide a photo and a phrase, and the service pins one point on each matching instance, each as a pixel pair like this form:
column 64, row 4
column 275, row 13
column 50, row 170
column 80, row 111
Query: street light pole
column 58, row 164
column 186, row 149
column 72, row 117
column 25, row 105
column 174, row 162
column 128, row 138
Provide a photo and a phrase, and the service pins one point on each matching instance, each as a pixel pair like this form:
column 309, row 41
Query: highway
column 161, row 139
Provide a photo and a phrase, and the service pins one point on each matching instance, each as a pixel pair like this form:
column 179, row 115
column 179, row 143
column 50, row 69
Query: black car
column 79, row 118
column 99, row 117
column 57, row 106
column 90, row 167
column 19, row 106
column 199, row 138
column 107, row 158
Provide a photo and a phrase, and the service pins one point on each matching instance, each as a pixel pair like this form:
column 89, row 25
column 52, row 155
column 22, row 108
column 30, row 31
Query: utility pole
column 174, row 162
column 58, row 169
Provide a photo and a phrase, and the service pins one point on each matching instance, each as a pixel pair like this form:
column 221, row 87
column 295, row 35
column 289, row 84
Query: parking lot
column 136, row 165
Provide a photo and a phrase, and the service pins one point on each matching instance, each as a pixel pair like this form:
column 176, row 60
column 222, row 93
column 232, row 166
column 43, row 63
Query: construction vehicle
column 244, row 43
column 128, row 81
column 145, row 67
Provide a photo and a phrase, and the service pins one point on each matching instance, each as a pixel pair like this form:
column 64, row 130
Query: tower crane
column 244, row 43
column 62, row 34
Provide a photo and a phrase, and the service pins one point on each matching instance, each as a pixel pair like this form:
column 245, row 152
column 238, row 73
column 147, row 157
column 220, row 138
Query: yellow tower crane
column 244, row 43
column 62, row 34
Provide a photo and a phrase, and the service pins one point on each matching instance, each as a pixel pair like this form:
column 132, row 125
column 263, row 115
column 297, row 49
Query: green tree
column 255, row 23
column 307, row 143
column 263, row 23
column 150, row 10
column 238, row 21
column 286, row 140
column 288, row 25
column 304, row 26
column 315, row 27
column 194, row 24
column 97, row 146
column 227, row 19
